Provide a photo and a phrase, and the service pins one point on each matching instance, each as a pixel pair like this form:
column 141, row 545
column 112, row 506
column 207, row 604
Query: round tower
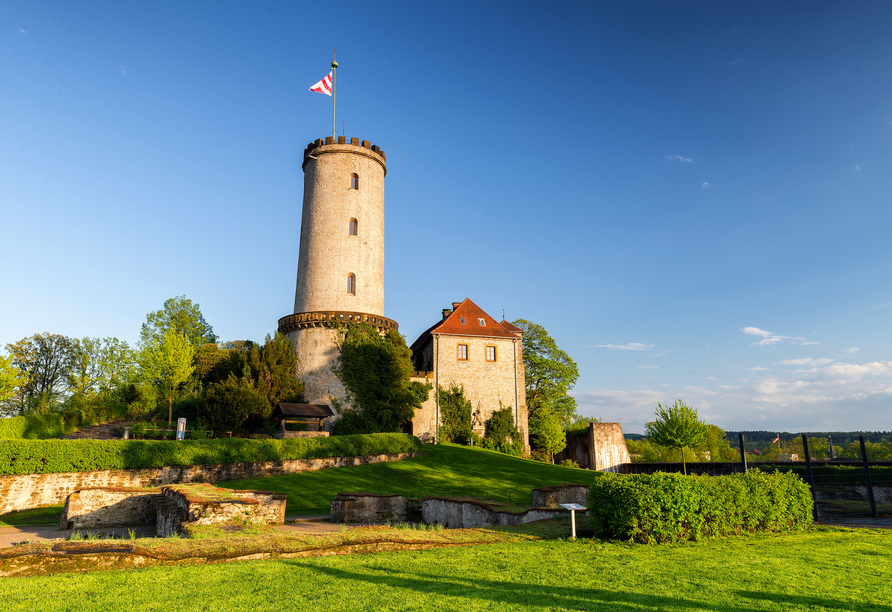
column 340, row 269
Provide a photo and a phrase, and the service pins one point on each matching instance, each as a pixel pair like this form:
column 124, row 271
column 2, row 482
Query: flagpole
column 334, row 78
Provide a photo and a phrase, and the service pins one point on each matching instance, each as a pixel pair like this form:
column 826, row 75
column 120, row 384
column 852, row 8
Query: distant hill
column 840, row 438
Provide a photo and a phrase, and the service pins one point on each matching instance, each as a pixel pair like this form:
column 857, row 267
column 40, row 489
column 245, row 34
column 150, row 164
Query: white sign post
column 573, row 508
column 181, row 429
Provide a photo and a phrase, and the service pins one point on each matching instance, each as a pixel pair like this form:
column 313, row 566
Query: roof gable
column 468, row 319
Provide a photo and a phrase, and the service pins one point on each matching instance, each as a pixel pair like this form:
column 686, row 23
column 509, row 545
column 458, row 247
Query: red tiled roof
column 471, row 313
column 509, row 327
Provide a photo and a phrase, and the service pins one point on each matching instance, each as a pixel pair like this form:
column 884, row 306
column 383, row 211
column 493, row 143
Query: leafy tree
column 226, row 407
column 375, row 370
column 551, row 437
column 501, row 434
column 581, row 424
column 182, row 316
column 455, row 414
column 167, row 362
column 716, row 445
column 98, row 365
column 273, row 370
column 550, row 373
column 677, row 426
column 11, row 379
column 44, row 361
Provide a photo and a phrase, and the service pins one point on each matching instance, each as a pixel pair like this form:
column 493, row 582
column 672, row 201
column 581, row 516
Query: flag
column 776, row 440
column 323, row 86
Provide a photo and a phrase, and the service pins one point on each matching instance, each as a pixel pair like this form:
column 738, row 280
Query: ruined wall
column 181, row 507
column 459, row 514
column 602, row 447
column 368, row 508
column 109, row 507
column 36, row 490
column 549, row 497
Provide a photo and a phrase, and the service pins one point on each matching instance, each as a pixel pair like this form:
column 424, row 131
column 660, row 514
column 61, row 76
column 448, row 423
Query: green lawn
column 443, row 470
column 824, row 569
column 48, row 515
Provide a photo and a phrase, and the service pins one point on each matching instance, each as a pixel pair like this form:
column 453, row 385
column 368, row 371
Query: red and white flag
column 323, row 86
column 776, row 440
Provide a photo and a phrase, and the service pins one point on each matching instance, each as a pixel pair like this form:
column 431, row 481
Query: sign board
column 181, row 429
column 572, row 507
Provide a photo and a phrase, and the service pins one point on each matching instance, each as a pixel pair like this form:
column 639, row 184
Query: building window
column 354, row 181
column 482, row 322
column 351, row 284
column 490, row 353
column 462, row 320
column 353, row 226
column 462, row 352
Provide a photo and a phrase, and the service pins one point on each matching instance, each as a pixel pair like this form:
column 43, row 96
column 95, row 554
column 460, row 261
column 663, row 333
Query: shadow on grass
column 548, row 596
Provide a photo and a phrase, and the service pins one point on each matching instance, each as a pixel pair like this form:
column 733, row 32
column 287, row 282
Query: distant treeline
column 759, row 439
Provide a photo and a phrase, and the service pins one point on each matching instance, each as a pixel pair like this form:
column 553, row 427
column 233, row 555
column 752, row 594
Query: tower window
column 351, row 284
column 353, row 226
column 354, row 181
column 462, row 352
column 490, row 353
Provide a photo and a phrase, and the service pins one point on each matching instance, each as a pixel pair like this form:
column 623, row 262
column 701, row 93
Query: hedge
column 661, row 508
column 53, row 456
column 34, row 427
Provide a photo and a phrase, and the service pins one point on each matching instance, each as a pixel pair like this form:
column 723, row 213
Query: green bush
column 33, row 427
column 52, row 456
column 660, row 508
column 501, row 434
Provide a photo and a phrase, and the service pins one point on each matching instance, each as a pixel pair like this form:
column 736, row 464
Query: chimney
column 455, row 305
column 446, row 312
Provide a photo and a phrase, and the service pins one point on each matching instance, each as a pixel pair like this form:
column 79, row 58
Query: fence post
column 742, row 454
column 873, row 503
column 811, row 477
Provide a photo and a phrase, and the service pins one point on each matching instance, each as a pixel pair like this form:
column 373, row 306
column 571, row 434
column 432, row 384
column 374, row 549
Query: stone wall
column 368, row 508
column 601, row 447
column 184, row 506
column 459, row 514
column 317, row 351
column 37, row 490
column 549, row 497
column 109, row 507
column 486, row 383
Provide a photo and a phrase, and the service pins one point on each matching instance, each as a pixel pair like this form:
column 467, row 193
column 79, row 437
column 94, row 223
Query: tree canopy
column 44, row 361
column 182, row 316
column 677, row 426
column 167, row 362
column 550, row 373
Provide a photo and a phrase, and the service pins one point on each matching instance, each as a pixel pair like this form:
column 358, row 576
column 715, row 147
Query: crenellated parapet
column 303, row 320
column 342, row 144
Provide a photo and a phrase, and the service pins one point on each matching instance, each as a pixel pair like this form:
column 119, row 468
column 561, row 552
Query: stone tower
column 340, row 268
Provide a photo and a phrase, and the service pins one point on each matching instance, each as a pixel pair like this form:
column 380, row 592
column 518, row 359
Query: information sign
column 181, row 429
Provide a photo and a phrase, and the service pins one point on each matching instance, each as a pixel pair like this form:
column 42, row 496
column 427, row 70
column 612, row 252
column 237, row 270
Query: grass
column 444, row 470
column 48, row 515
column 822, row 569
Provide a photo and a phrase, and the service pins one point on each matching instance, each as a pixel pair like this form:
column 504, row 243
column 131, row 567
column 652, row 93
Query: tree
column 677, row 426
column 375, row 369
column 501, row 434
column 225, row 407
column 455, row 414
column 167, row 362
column 550, row 373
column 182, row 316
column 44, row 361
column 10, row 380
column 551, row 438
column 273, row 370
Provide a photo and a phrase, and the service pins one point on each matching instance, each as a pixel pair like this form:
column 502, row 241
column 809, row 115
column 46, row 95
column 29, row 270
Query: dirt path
column 113, row 430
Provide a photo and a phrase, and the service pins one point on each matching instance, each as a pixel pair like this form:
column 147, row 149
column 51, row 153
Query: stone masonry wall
column 547, row 497
column 317, row 351
column 109, row 507
column 37, row 490
column 368, row 508
column 460, row 514
column 485, row 383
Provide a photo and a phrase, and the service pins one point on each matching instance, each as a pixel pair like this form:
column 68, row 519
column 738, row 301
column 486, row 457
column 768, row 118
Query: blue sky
column 693, row 198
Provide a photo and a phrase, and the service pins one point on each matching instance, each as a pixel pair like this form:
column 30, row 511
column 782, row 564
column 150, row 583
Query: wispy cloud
column 736, row 63
column 877, row 307
column 857, row 167
column 704, row 185
column 631, row 346
column 852, row 350
column 123, row 70
column 709, row 378
column 680, row 158
column 769, row 338
column 22, row 31
column 648, row 367
column 760, row 369
column 806, row 361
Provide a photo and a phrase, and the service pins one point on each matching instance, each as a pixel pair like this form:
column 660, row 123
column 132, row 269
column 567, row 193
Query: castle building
column 340, row 277
column 469, row 348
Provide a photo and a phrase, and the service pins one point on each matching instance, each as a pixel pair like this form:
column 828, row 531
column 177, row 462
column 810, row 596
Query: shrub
column 33, row 427
column 501, row 434
column 53, row 456
column 660, row 508
column 455, row 415
column 226, row 407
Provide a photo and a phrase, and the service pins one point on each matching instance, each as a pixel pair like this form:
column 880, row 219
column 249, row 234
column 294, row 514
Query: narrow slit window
column 351, row 284
column 354, row 226
column 354, row 181
column 481, row 321
column 490, row 353
column 462, row 352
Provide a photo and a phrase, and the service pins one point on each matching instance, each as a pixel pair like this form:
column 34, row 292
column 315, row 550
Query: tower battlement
column 342, row 144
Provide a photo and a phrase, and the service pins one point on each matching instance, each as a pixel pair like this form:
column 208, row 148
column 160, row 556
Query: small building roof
column 464, row 320
column 509, row 327
column 317, row 411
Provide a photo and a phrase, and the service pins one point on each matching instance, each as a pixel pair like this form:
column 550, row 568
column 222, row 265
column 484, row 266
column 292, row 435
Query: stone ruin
column 368, row 508
column 172, row 509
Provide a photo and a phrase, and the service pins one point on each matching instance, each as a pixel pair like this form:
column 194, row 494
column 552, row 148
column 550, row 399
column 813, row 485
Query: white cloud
column 769, row 338
column 709, row 378
column 631, row 346
column 704, row 185
column 755, row 331
column 852, row 350
column 686, row 160
column 123, row 70
column 857, row 167
column 648, row 367
column 22, row 31
column 760, row 369
column 806, row 361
